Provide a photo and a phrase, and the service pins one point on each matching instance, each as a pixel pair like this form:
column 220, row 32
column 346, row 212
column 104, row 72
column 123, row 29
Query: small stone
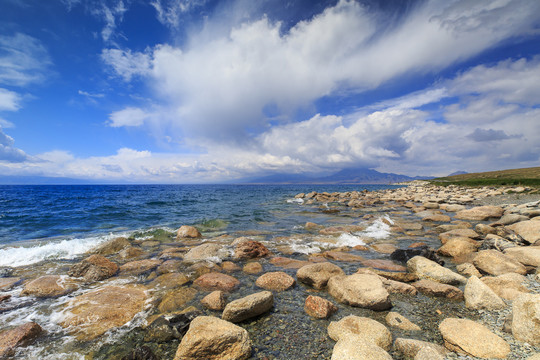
column 229, row 266
column 216, row 281
column 410, row 347
column 187, row 232
column 216, row 300
column 468, row 269
column 276, row 281
column 248, row 307
column 318, row 307
column 399, row 321
column 252, row 268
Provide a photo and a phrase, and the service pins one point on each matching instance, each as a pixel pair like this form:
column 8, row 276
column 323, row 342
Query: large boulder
column 528, row 230
column 363, row 327
column 494, row 262
column 362, row 290
column 92, row 314
column 94, row 268
column 21, row 335
column 187, row 232
column 427, row 269
column 480, row 213
column 480, row 296
column 206, row 251
column 507, row 286
column 356, row 348
column 276, row 281
column 471, row 338
column 526, row 255
column 248, row 307
column 216, row 281
column 317, row 275
column 250, row 250
column 526, row 318
column 214, row 339
column 49, row 286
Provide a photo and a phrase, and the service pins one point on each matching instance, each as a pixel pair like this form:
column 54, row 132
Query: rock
column 216, row 300
column 528, row 230
column 229, row 266
column 252, row 268
column 6, row 271
column 480, row 296
column 7, row 283
column 404, row 255
column 169, row 266
column 139, row 267
column 288, row 263
column 141, row 353
column 529, row 255
column 494, row 262
column 276, row 281
column 480, row 213
column 356, row 348
column 214, row 339
column 187, row 232
column 453, row 207
column 434, row 288
column 216, row 281
column 495, row 242
column 318, row 307
column 92, row 314
column 484, row 229
column 428, row 354
column 399, row 321
column 437, row 218
column 468, row 233
column 310, row 226
column 113, row 246
column 511, row 235
column 470, row 338
column 317, row 275
column 204, row 252
column 368, row 329
column 384, row 265
column 131, row 252
column 507, row 286
column 468, row 269
column 250, row 250
column 94, row 268
column 176, row 299
column 397, row 287
column 427, row 269
column 342, row 256
column 49, row 286
column 248, row 307
column 22, row 335
column 509, row 219
column 458, row 246
column 394, row 275
column 534, row 357
column 410, row 347
column 526, row 318
column 384, row 248
column 169, row 281
column 360, row 290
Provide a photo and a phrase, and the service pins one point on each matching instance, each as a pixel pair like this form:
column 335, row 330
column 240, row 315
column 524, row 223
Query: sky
column 205, row 91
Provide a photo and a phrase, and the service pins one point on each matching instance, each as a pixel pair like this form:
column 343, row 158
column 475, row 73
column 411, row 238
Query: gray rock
column 248, row 307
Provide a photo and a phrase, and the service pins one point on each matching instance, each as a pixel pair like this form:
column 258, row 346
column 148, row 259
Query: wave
column 379, row 229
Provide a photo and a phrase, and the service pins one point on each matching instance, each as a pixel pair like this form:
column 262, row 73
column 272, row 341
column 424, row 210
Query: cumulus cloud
column 482, row 135
column 129, row 116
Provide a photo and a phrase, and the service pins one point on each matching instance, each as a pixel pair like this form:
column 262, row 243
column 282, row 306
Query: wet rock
column 384, row 265
column 49, row 286
column 529, row 255
column 288, row 263
column 528, row 230
column 200, row 268
column 360, row 290
column 94, row 268
column 480, row 213
column 404, row 255
column 275, row 281
column 248, row 307
column 509, row 219
column 216, row 281
column 318, row 307
column 22, row 335
column 317, row 275
column 7, row 283
column 494, row 262
column 205, row 252
column 468, row 269
column 139, row 267
column 467, row 233
column 368, row 329
column 470, row 338
column 131, row 252
column 113, row 246
column 397, row 287
column 526, row 318
column 252, row 268
column 141, row 353
column 480, row 296
column 169, row 266
column 250, row 250
column 169, row 281
column 214, row 339
column 507, row 286
column 187, row 232
column 92, row 314
column 384, row 248
column 356, row 348
column 394, row 275
column 458, row 246
column 216, row 300
column 160, row 330
column 229, row 266
column 399, row 321
column 410, row 347
column 342, row 256
column 433, row 288
column 6, row 271
column 427, row 269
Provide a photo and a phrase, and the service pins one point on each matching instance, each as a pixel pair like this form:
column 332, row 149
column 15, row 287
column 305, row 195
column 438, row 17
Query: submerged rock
column 139, row 267
column 175, row 299
column 216, row 300
column 113, row 246
column 22, row 335
column 216, row 281
column 49, row 286
column 94, row 268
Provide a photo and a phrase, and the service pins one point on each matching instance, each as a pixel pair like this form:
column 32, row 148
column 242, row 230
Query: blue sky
column 176, row 91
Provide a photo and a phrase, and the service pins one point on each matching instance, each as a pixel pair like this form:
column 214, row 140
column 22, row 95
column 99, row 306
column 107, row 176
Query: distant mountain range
column 345, row 176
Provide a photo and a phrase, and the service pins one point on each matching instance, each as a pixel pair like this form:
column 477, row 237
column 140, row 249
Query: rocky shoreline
column 457, row 277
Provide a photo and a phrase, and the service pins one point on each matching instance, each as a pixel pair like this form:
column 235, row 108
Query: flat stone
column 468, row 233
column 49, row 286
column 526, row 255
column 275, row 281
column 434, row 288
column 355, row 348
column 139, row 267
column 368, row 329
column 169, row 281
column 318, row 307
column 427, row 269
column 342, row 256
column 214, row 339
column 361, row 290
column 480, row 296
column 480, row 213
column 526, row 318
column 458, row 246
column 384, row 248
column 317, row 275
column 216, row 281
column 528, row 230
column 21, row 335
column 248, row 307
column 399, row 321
column 471, row 338
column 437, row 218
column 494, row 262
column 507, row 286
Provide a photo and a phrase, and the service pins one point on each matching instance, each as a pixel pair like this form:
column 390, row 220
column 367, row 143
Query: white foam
column 50, row 250
column 297, row 201
column 379, row 229
column 347, row 239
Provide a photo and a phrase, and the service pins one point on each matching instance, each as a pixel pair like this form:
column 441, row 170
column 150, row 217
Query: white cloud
column 9, row 100
column 111, row 15
column 129, row 116
column 125, row 63
column 9, row 153
column 90, row 95
column 169, row 12
column 23, row 60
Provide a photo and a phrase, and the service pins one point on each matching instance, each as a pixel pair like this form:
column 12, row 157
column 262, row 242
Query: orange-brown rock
column 49, row 286
column 342, row 256
column 22, row 335
column 434, row 288
column 384, row 248
column 139, row 267
column 276, row 281
column 188, row 232
column 250, row 250
column 8, row 282
column 318, row 307
column 216, row 300
column 176, row 299
column 252, row 268
column 94, row 268
column 216, row 281
column 229, row 266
